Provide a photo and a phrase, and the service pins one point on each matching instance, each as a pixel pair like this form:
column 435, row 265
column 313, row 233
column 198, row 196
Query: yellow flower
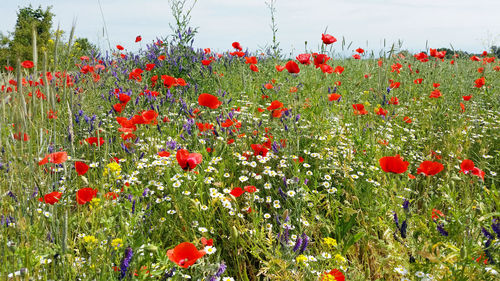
column 339, row 259
column 330, row 241
column 301, row 259
column 90, row 239
column 116, row 243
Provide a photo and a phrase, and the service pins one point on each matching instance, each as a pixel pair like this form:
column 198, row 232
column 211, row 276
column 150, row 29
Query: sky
column 466, row 25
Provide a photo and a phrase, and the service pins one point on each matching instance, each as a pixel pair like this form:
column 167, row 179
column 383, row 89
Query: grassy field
column 174, row 163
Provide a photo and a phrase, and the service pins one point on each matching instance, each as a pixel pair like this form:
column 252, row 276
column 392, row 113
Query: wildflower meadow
column 179, row 163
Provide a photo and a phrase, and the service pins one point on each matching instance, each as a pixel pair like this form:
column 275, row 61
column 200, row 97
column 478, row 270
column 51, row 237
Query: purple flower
column 298, row 243
column 440, row 228
column 126, row 262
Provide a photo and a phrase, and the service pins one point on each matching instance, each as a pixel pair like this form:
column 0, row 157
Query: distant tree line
column 38, row 22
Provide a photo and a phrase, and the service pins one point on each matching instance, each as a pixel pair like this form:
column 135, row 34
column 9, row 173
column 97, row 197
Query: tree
column 495, row 50
column 20, row 46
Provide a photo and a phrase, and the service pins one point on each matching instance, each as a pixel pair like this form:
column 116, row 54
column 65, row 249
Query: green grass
column 339, row 191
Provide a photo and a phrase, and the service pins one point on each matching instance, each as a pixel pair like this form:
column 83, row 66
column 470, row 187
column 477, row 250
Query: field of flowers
column 174, row 163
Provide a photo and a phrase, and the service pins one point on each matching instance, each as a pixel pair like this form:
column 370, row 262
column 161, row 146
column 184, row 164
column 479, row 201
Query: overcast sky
column 467, row 25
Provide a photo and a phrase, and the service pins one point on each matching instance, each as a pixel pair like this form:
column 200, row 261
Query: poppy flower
column 356, row 56
column 325, row 68
column 334, row 97
column 209, row 101
column 251, row 60
column 275, row 105
column 335, row 273
column 359, row 50
column 259, row 149
column 56, row 158
column 207, row 242
column 338, row 69
column 51, row 198
column 462, row 107
column 138, row 39
column 359, row 109
column 418, row 81
column 320, row 59
column 430, row 168
column 237, row 46
column 292, row 67
column 206, row 62
column 436, row 214
column 480, row 82
column 407, row 119
column 94, row 141
column 381, row 111
column 254, row 68
column 237, row 192
column 328, row 39
column 111, row 195
column 150, row 116
column 119, row 47
column 394, row 101
column 435, row 85
column 250, row 188
column 467, row 166
column 304, row 58
column 164, row 154
column 280, row 68
column 27, row 64
column 185, row 254
column 81, row 168
column 435, row 94
column 186, row 160
column 118, row 107
column 85, row 195
column 393, row 164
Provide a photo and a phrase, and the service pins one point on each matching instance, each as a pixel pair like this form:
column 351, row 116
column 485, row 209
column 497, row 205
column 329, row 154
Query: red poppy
column 475, row 58
column 185, row 254
column 119, row 47
column 207, row 242
column 251, row 60
column 124, row 98
column 394, row 101
column 338, row 69
column 393, row 164
column 81, row 168
column 280, row 68
column 328, row 39
column 359, row 50
column 435, row 94
column 480, row 82
column 292, row 67
column 237, row 46
column 462, row 107
column 275, row 105
column 304, row 58
column 435, row 85
column 206, row 62
column 325, row 68
column 56, row 158
column 164, row 154
column 250, row 188
column 337, row 275
column 359, row 109
column 150, row 116
column 334, row 97
column 51, row 198
column 138, row 39
column 254, row 68
column 111, row 195
column 418, row 81
column 94, row 141
column 27, row 64
column 320, row 59
column 356, row 56
column 467, row 166
column 381, row 111
column 186, row 160
column 85, row 195
column 118, row 107
column 430, row 168
column 237, row 192
column 436, row 214
column 209, row 101
column 407, row 119
column 259, row 149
